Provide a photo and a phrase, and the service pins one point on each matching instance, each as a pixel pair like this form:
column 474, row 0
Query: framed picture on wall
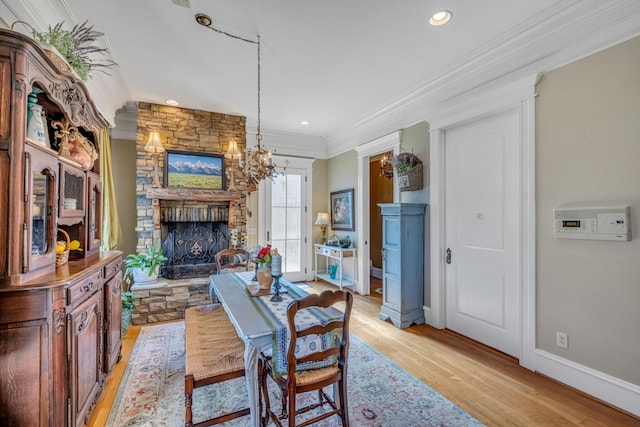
column 186, row 169
column 342, row 210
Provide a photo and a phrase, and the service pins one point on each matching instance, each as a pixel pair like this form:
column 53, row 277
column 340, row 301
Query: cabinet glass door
column 72, row 193
column 40, row 236
column 39, row 231
column 94, row 212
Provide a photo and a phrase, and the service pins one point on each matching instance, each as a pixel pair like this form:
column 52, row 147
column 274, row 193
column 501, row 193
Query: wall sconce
column 154, row 146
column 386, row 167
column 232, row 154
column 323, row 220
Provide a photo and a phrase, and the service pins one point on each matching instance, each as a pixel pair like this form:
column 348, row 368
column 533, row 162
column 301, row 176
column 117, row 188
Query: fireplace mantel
column 191, row 194
column 195, row 194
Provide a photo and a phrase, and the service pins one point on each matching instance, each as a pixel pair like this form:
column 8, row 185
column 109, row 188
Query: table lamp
column 154, row 146
column 323, row 220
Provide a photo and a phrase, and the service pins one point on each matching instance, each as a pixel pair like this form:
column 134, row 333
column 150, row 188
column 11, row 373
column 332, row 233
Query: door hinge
column 305, row 178
column 305, row 240
column 305, row 209
column 305, row 270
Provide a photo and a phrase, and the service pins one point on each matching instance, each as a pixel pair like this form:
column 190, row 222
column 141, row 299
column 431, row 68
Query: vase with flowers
column 263, row 261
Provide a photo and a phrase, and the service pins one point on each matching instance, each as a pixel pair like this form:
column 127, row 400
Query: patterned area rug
column 381, row 394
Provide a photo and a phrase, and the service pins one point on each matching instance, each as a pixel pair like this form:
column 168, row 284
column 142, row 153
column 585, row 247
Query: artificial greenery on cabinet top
column 78, row 47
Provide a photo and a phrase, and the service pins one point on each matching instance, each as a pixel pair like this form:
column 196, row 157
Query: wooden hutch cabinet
column 59, row 321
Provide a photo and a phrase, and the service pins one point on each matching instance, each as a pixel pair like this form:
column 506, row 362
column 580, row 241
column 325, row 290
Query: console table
column 337, row 254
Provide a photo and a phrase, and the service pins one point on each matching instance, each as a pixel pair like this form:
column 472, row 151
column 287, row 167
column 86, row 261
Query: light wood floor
column 486, row 383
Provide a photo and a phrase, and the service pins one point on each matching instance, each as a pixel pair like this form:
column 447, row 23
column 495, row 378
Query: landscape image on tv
column 194, row 171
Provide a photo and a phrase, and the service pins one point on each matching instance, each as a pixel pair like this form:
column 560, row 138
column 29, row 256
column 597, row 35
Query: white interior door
column 286, row 220
column 482, row 200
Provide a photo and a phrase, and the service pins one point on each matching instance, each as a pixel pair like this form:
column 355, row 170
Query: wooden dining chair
column 228, row 260
column 300, row 380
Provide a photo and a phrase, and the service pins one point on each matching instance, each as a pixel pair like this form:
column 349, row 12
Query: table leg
column 252, row 381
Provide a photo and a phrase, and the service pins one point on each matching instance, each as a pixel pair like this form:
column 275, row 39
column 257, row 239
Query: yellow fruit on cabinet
column 74, row 245
column 60, row 247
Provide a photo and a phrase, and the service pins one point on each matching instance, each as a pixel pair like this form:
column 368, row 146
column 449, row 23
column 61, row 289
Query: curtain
column 111, row 229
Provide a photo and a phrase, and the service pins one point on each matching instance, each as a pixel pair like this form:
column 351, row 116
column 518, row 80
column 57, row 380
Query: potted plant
column 143, row 268
column 77, row 47
column 128, row 304
column 408, row 171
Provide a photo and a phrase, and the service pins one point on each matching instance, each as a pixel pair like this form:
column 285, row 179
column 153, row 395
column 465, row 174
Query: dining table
column 260, row 322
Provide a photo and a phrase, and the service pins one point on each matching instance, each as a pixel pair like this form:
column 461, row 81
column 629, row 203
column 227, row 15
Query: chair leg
column 264, row 394
column 291, row 409
column 283, row 400
column 188, row 394
column 344, row 409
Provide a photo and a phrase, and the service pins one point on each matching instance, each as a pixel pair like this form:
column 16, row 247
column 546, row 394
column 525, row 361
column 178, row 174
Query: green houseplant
column 143, row 268
column 78, row 47
column 128, row 304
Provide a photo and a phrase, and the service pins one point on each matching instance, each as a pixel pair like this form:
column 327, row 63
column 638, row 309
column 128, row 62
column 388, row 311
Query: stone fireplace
column 191, row 225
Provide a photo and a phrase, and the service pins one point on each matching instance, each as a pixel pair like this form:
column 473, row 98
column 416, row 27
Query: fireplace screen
column 191, row 248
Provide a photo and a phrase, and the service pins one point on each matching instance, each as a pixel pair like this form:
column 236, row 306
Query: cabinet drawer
column 321, row 250
column 334, row 253
column 82, row 289
column 112, row 268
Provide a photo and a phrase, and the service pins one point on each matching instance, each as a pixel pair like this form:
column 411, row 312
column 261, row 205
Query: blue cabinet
column 402, row 263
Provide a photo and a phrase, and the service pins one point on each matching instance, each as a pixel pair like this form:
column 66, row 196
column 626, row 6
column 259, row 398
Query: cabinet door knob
column 448, row 256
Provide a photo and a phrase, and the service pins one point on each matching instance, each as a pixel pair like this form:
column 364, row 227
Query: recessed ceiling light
column 304, row 123
column 171, row 102
column 440, row 18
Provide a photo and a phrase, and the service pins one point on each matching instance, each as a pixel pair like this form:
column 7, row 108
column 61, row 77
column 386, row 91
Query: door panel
column 482, row 223
column 285, row 220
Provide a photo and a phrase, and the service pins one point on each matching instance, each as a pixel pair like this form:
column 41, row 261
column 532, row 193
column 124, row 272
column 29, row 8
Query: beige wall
column 415, row 139
column 123, row 153
column 319, row 202
column 588, row 153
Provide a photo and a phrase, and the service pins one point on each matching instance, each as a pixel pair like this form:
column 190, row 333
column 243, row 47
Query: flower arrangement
column 263, row 256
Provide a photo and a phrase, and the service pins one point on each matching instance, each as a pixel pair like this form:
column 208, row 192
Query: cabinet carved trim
column 59, row 321
column 72, row 97
column 21, row 85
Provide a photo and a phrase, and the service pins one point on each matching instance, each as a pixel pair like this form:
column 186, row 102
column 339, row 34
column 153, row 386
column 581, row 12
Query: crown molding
column 126, row 122
column 289, row 143
column 563, row 33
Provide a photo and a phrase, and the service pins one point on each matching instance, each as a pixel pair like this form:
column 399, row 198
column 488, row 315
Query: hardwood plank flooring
column 486, row 383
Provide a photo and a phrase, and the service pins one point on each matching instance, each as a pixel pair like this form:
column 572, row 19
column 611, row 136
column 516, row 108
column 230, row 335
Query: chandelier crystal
column 258, row 164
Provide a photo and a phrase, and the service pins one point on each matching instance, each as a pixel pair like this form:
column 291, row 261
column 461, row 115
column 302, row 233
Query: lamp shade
column 232, row 151
column 322, row 218
column 154, row 145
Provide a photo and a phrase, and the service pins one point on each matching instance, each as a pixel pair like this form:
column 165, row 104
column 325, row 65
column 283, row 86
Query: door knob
column 448, row 256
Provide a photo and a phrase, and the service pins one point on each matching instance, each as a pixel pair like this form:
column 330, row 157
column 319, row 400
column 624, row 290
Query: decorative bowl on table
column 253, row 288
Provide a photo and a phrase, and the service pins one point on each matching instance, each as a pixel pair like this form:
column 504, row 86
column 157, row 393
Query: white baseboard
column 427, row 315
column 614, row 391
column 375, row 272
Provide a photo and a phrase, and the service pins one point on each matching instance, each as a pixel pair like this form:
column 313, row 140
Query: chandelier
column 258, row 164
column 386, row 166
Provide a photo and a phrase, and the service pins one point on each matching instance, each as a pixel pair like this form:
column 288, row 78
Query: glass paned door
column 286, row 208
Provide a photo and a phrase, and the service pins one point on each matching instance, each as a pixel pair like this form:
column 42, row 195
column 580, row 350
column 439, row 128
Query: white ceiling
column 338, row 64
